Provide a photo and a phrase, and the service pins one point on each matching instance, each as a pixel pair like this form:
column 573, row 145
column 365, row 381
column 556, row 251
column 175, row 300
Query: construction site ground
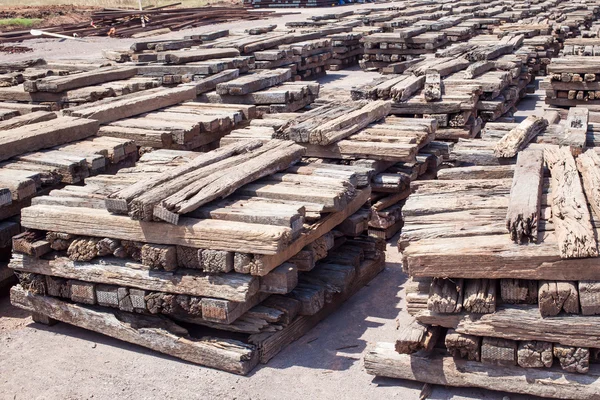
column 65, row 362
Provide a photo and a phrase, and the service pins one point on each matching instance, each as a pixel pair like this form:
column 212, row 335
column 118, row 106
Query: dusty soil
column 50, row 15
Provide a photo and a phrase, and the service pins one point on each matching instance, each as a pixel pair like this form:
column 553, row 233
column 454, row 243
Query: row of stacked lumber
column 156, row 118
column 41, row 151
column 399, row 150
column 218, row 258
column 572, row 80
column 502, row 253
column 60, row 84
column 196, row 56
column 461, row 91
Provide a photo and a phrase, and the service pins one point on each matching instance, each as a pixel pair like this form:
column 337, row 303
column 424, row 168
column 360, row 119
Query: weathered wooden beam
column 588, row 165
column 414, row 336
column 384, row 361
column 576, row 130
column 570, row 213
column 17, row 141
column 112, row 271
column 554, row 297
column 518, row 137
column 520, row 322
column 463, row 346
column 206, row 233
column 153, row 332
column 522, row 217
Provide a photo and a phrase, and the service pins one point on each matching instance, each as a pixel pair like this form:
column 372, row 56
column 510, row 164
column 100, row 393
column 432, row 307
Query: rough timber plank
column 17, row 141
column 570, row 213
column 521, row 322
column 186, row 56
column 518, row 137
column 221, row 186
column 495, row 257
column 526, row 196
column 349, row 123
column 118, row 202
column 140, row 103
column 588, row 165
column 261, row 265
column 576, row 129
column 204, row 234
column 231, row 286
column 271, row 344
column 156, row 333
column 27, row 119
column 384, row 361
column 60, row 84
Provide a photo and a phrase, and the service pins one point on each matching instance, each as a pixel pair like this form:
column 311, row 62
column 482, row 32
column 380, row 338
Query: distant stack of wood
column 397, row 149
column 382, row 49
column 588, row 47
column 59, row 85
column 572, row 80
column 39, row 152
column 289, row 3
column 270, row 90
column 314, row 57
column 495, row 247
column 235, row 240
column 459, row 92
column 347, row 50
column 185, row 126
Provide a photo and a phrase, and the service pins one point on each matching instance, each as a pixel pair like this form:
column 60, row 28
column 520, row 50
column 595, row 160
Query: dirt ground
column 65, row 362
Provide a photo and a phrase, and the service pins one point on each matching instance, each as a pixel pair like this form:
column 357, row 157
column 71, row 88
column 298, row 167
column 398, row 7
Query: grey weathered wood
column 349, row 123
column 156, row 333
column 384, row 361
column 235, row 287
column 573, row 359
column 570, row 213
column 17, row 141
column 446, row 295
column 463, row 346
column 521, row 322
column 555, row 297
column 27, row 119
column 182, row 57
column 414, row 336
column 498, row 351
column 534, row 354
column 57, row 84
column 206, row 233
column 226, row 181
column 522, row 217
column 133, row 104
column 576, row 129
column 517, row 291
column 588, row 165
column 480, row 296
column 254, row 82
column 118, row 202
column 520, row 136
column 589, row 297
column 433, row 87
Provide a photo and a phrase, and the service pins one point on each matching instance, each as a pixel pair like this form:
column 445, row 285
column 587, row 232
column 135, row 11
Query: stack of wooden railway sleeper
column 218, row 258
column 503, row 257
